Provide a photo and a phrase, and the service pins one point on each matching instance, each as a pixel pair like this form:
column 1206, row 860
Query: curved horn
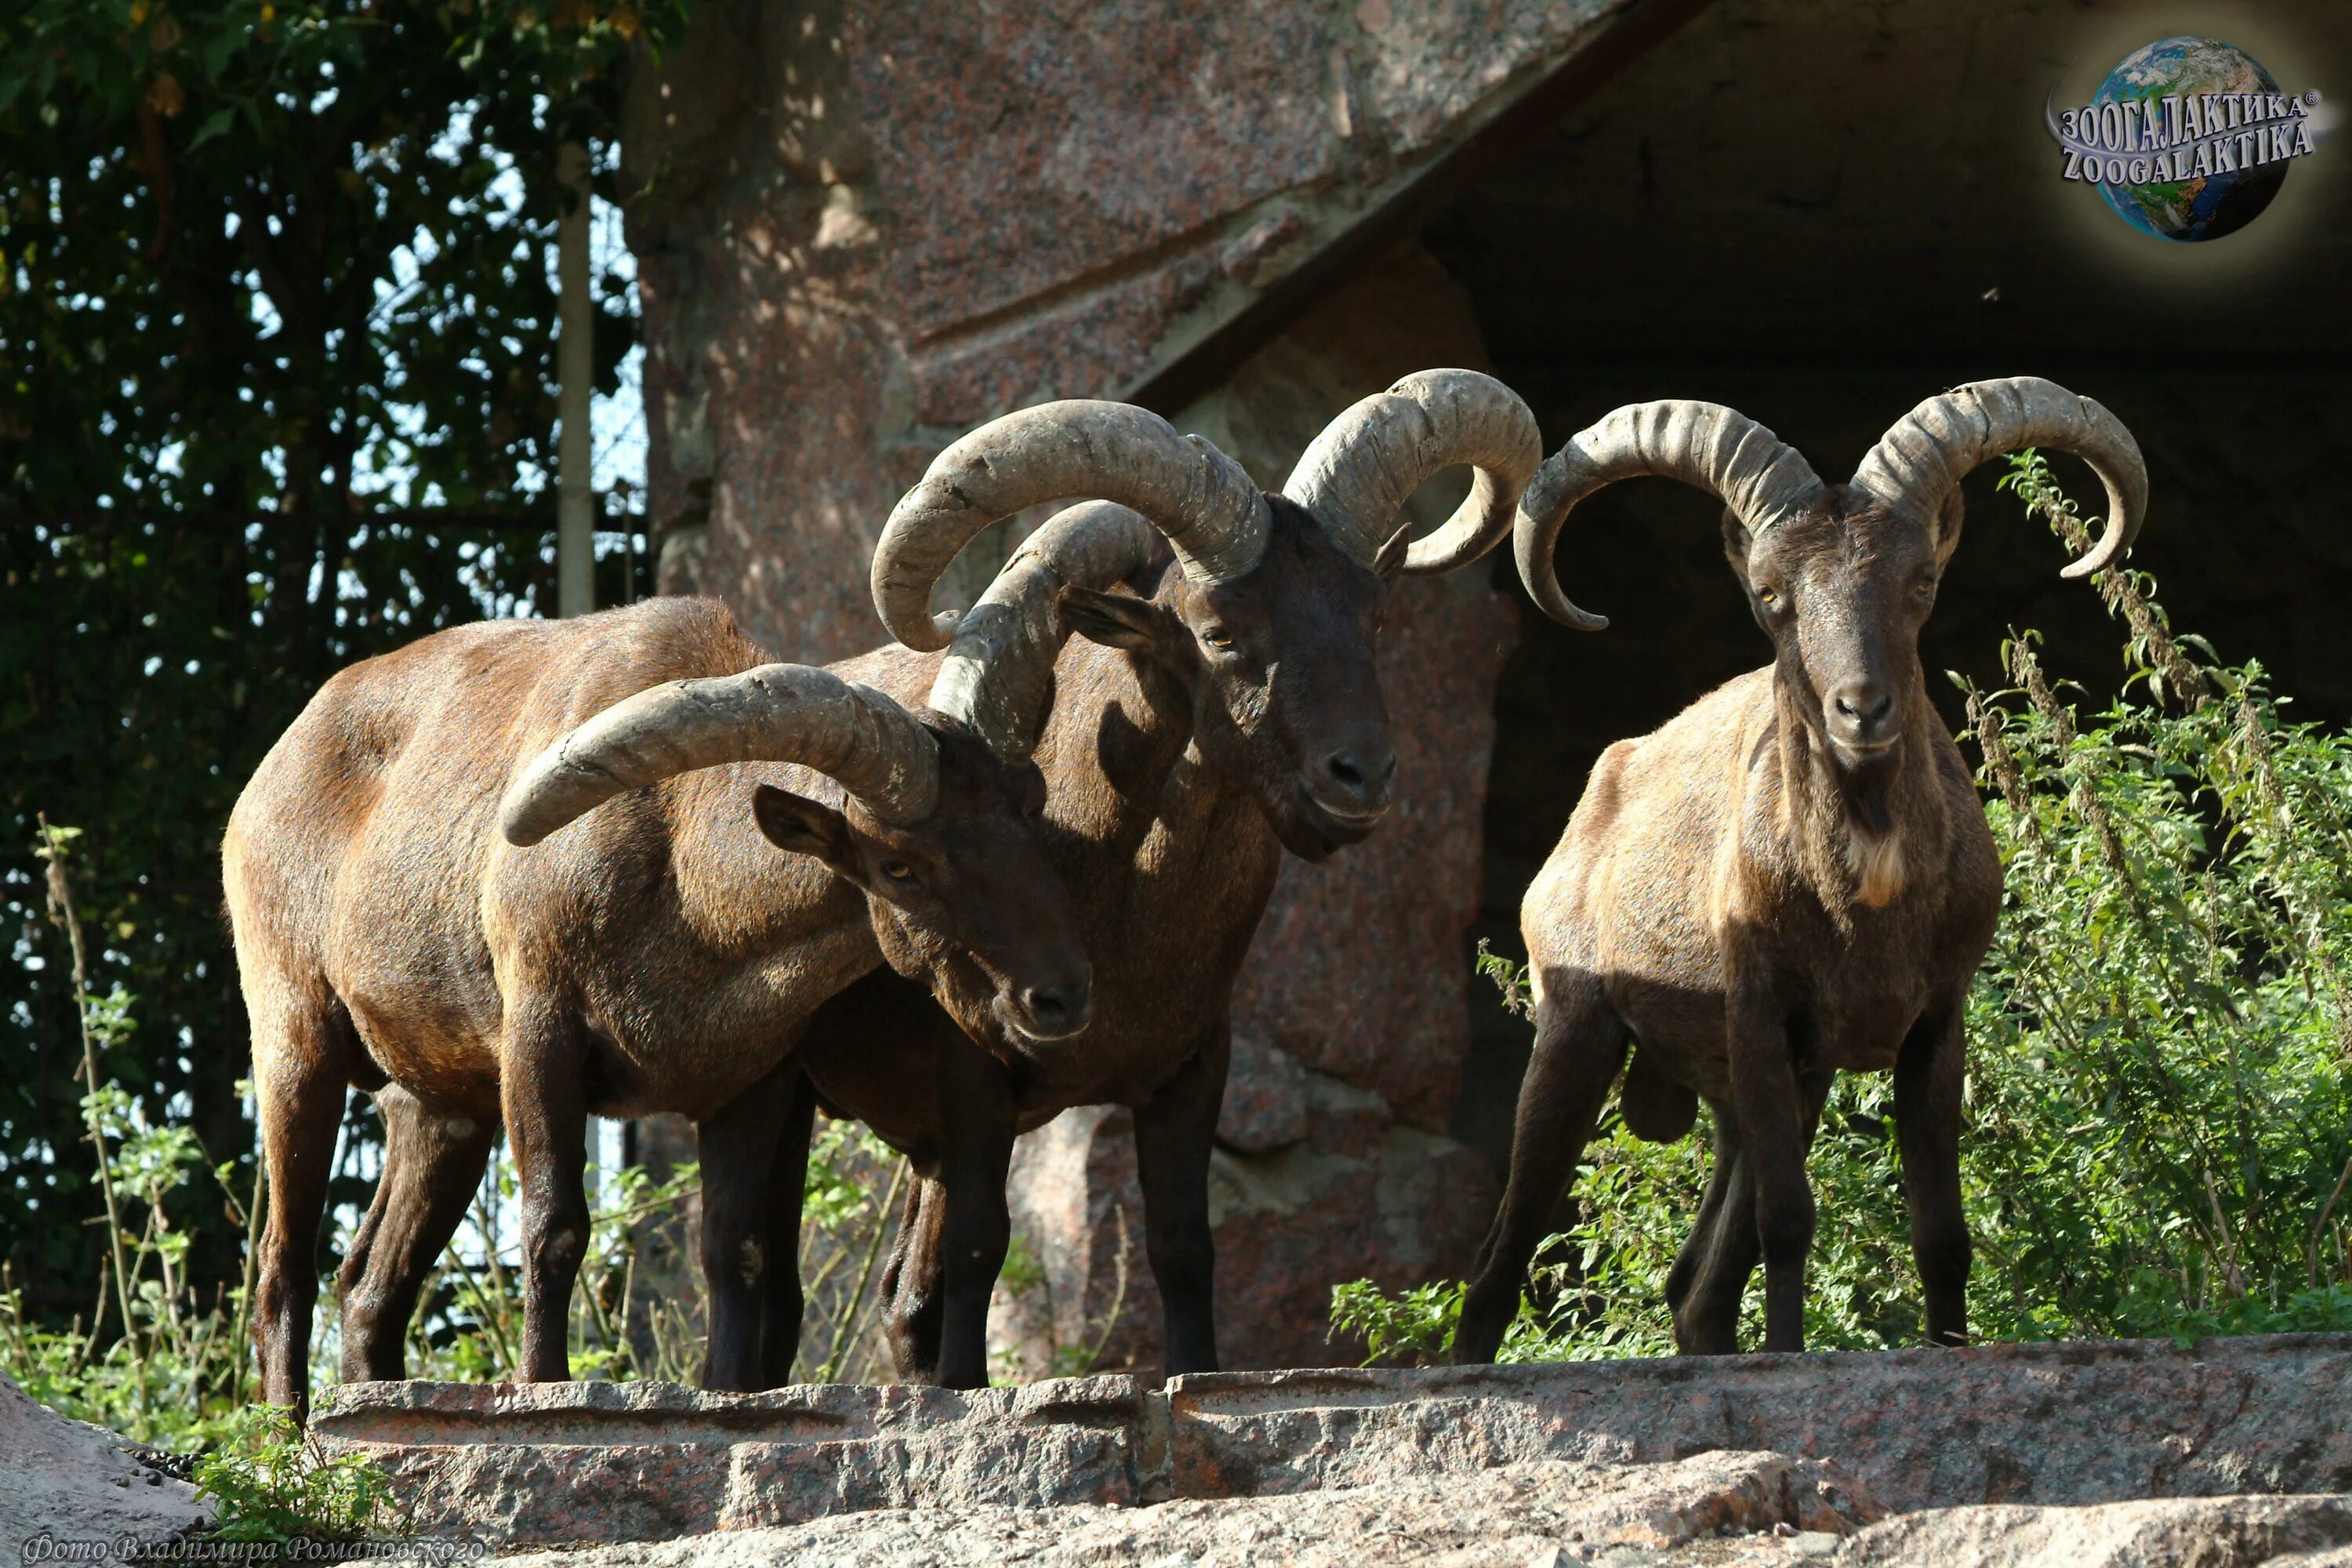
column 1210, row 512
column 778, row 712
column 1761, row 478
column 998, row 678
column 1358, row 473
column 1919, row 462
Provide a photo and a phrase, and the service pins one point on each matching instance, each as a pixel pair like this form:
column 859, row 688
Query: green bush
column 267, row 1481
column 2159, row 1127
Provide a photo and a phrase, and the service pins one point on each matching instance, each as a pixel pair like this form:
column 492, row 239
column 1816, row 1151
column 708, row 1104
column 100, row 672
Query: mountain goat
column 414, row 916
column 1793, row 876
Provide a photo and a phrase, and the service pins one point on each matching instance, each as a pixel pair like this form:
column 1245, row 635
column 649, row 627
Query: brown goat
column 392, row 934
column 1194, row 734
column 1794, row 875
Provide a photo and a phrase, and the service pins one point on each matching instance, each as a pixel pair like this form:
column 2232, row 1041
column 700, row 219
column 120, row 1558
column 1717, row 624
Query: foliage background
column 277, row 392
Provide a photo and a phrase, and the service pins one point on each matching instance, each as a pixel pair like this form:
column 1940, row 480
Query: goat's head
column 1270, row 616
column 937, row 830
column 1841, row 577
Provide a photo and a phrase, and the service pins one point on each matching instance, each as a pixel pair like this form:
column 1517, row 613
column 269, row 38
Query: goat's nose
column 1363, row 773
column 1865, row 705
column 1061, row 1008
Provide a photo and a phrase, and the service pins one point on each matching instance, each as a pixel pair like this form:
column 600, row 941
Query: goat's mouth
column 1341, row 821
column 1865, row 756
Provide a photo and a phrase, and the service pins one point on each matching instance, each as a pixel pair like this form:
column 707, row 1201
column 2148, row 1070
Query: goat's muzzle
column 1054, row 1008
column 1861, row 720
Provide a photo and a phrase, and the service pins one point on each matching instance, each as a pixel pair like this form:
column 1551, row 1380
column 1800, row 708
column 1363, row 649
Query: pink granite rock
column 546, row 1463
column 2064, row 1424
column 1724, row 1509
column 2200, row 1533
column 1266, row 1099
column 1356, row 1197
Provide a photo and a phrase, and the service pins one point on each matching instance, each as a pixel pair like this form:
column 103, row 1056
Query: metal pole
column 575, row 515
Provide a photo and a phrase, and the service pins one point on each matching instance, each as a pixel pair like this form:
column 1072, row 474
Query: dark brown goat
column 1230, row 713
column 1794, row 875
column 392, row 933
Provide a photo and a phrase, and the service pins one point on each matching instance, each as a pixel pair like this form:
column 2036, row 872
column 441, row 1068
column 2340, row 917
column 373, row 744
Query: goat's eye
column 1768, row 597
column 898, row 871
column 1218, row 637
column 1925, row 588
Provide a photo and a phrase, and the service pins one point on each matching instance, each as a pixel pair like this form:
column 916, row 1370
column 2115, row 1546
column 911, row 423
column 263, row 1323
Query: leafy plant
column 269, row 1482
column 2159, row 1129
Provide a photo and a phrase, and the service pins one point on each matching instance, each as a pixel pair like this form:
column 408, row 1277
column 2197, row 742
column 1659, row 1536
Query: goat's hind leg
column 1580, row 1046
column 431, row 1165
column 302, row 1048
column 1929, row 1081
column 1711, row 1272
column 913, row 1309
column 780, row 1326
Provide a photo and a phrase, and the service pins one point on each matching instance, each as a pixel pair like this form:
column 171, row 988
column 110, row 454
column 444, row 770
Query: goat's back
column 364, row 836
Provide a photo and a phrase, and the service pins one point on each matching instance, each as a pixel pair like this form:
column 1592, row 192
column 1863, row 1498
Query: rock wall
column 863, row 230
column 2009, row 1454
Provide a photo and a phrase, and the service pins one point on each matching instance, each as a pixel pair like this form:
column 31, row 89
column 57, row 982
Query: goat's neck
column 1119, row 750
column 1858, row 836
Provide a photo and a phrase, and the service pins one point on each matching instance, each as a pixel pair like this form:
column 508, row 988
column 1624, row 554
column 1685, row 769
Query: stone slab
column 2301, row 1531
column 1718, row 1509
column 2064, row 1422
column 551, row 1463
column 2078, row 1425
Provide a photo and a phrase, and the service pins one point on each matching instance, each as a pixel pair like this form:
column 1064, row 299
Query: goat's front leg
column 1710, row 1276
column 1770, row 1107
column 540, row 1060
column 1173, row 1131
column 738, row 1148
column 1929, row 1079
column 977, row 1122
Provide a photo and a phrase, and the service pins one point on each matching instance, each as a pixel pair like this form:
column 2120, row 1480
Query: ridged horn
column 778, row 714
column 1759, row 476
column 1358, row 473
column 1920, row 461
column 998, row 677
column 1213, row 516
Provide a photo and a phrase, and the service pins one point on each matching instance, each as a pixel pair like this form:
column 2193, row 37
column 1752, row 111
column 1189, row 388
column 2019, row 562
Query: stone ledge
column 551, row 1463
column 2069, row 1424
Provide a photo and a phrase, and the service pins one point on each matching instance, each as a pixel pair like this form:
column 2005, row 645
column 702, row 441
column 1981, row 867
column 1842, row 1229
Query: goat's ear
column 1736, row 540
column 1114, row 620
column 803, row 827
column 1947, row 527
column 1390, row 559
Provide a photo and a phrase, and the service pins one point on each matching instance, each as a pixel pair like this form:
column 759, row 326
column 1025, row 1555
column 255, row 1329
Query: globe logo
column 2188, row 139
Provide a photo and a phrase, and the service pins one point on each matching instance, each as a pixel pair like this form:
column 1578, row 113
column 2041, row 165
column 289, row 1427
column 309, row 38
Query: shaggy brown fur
column 659, row 955
column 1793, row 878
column 1197, row 734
